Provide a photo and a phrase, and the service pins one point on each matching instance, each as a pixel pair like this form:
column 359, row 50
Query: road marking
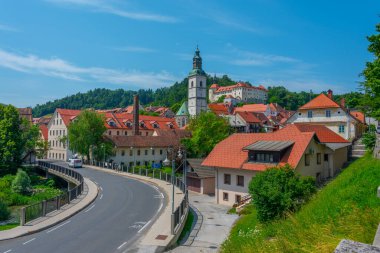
column 29, row 241
column 96, row 182
column 141, row 229
column 51, row 230
column 7, row 251
column 161, row 196
column 121, row 245
column 101, row 188
column 101, row 196
column 159, row 209
column 155, row 187
column 89, row 208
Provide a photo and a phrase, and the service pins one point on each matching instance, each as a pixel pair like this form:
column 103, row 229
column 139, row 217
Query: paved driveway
column 212, row 227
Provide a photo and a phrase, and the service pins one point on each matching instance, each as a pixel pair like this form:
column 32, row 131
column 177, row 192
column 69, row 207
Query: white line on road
column 141, row 229
column 101, row 196
column 7, row 251
column 155, row 187
column 29, row 241
column 96, row 182
column 159, row 209
column 90, row 208
column 121, row 245
column 101, row 188
column 51, row 230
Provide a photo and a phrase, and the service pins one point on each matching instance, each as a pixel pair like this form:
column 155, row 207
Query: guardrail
column 179, row 215
column 45, row 207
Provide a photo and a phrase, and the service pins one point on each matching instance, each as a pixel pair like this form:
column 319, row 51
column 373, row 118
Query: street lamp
column 104, row 153
column 134, row 160
column 166, row 162
column 182, row 154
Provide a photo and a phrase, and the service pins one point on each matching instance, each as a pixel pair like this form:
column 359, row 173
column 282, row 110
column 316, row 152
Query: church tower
column 197, row 87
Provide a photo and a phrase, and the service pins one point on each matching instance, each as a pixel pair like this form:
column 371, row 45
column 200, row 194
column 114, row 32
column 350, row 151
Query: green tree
column 279, row 190
column 11, row 139
column 369, row 138
column 21, row 183
column 4, row 212
column 42, row 148
column 86, row 132
column 207, row 130
column 103, row 151
column 30, row 136
column 221, row 99
column 371, row 85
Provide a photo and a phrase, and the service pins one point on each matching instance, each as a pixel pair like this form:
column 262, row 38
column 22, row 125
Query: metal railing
column 180, row 213
column 37, row 210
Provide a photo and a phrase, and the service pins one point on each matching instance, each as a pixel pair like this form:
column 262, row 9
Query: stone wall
column 376, row 151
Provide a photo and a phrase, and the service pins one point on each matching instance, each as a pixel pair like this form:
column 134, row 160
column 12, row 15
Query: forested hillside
column 173, row 97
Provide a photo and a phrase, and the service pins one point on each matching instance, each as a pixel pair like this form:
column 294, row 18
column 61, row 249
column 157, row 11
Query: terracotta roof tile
column 321, row 101
column 358, row 115
column 324, row 134
column 249, row 117
column 68, row 115
column 252, row 108
column 44, row 131
column 218, row 109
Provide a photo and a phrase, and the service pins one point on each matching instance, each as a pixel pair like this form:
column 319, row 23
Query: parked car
column 75, row 163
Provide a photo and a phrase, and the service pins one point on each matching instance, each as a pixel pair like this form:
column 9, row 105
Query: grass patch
column 187, row 227
column 347, row 207
column 232, row 211
column 8, row 226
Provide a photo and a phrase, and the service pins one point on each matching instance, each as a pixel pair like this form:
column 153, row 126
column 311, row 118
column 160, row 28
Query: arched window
column 183, row 122
column 200, row 83
column 192, row 84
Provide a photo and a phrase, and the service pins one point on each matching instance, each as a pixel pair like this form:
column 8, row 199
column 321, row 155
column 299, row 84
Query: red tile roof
column 252, row 108
column 324, row 134
column 68, row 115
column 44, row 131
column 229, row 152
column 358, row 115
column 218, row 109
column 321, row 101
column 249, row 117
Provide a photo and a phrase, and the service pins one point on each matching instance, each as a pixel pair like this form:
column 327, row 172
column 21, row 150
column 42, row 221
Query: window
column 240, row 180
column 122, row 153
column 326, row 157
column 309, row 114
column 319, row 158
column 109, row 132
column 125, row 133
column 117, row 133
column 200, row 83
column 153, row 152
column 146, row 152
column 328, row 113
column 60, row 122
column 227, row 179
column 146, row 133
column 262, row 157
column 341, row 129
column 307, row 160
column 160, row 151
column 299, row 114
column 225, row 196
column 130, row 152
column 192, row 84
column 138, row 152
column 237, row 198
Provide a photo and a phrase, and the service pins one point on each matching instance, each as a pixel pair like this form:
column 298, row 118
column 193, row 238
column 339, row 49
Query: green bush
column 4, row 212
column 279, row 190
column 21, row 184
column 369, row 138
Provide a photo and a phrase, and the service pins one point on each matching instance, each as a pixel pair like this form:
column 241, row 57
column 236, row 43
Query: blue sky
column 53, row 48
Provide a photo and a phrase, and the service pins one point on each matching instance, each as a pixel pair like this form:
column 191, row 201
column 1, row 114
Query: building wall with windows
column 240, row 91
column 139, row 156
column 57, row 131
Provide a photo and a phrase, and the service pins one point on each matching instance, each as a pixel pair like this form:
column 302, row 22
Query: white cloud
column 135, row 49
column 59, row 68
column 106, row 7
column 247, row 58
column 7, row 28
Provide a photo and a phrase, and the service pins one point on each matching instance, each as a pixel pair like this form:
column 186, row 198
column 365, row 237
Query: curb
column 55, row 223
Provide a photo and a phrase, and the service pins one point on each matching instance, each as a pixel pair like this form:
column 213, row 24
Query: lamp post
column 134, row 160
column 104, row 153
column 182, row 154
column 166, row 162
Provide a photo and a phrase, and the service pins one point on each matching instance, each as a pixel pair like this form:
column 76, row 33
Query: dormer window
column 128, row 124
column 267, row 151
column 142, row 124
column 111, row 123
column 154, row 124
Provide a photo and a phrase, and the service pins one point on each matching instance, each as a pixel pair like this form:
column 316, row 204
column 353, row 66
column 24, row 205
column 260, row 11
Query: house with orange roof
column 57, row 129
column 240, row 91
column 312, row 150
column 323, row 110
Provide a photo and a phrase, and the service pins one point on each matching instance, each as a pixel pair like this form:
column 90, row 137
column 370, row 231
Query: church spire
column 197, row 59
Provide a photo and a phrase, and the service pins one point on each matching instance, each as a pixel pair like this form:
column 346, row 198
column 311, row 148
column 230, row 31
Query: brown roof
column 229, row 153
column 68, row 115
column 44, row 131
column 321, row 101
column 139, row 141
column 26, row 113
column 249, row 117
column 219, row 109
column 173, row 133
column 199, row 170
column 252, row 108
column 358, row 115
column 324, row 134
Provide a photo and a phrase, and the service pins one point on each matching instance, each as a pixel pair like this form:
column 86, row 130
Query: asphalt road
column 121, row 214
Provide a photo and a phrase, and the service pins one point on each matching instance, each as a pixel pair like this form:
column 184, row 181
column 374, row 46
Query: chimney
column 330, row 94
column 343, row 103
column 136, row 115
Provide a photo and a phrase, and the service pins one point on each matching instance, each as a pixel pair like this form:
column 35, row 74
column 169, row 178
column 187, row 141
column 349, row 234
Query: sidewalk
column 86, row 198
column 212, row 226
column 159, row 236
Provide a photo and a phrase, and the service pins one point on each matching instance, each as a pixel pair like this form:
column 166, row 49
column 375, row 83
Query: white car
column 75, row 163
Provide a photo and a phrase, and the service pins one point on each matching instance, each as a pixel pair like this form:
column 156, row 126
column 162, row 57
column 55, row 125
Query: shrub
column 279, row 190
column 4, row 212
column 21, row 183
column 369, row 138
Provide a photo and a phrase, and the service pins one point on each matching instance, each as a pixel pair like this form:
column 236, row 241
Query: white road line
column 141, row 229
column 96, row 182
column 155, row 187
column 121, row 245
column 159, row 209
column 101, row 188
column 7, row 251
column 89, row 208
column 101, row 196
column 51, row 230
column 29, row 241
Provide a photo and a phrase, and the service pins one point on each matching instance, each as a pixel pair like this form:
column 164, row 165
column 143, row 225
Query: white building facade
column 241, row 91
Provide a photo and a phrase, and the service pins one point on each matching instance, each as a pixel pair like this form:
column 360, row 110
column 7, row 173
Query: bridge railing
column 37, row 210
column 180, row 213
